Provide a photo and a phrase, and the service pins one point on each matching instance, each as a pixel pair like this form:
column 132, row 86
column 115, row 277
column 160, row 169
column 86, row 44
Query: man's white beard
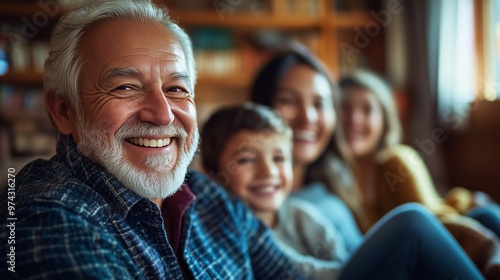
column 157, row 184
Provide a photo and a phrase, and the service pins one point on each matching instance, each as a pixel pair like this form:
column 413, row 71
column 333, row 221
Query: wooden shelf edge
column 40, row 115
column 29, row 9
column 262, row 20
column 244, row 19
column 226, row 81
column 350, row 19
column 17, row 77
column 221, row 97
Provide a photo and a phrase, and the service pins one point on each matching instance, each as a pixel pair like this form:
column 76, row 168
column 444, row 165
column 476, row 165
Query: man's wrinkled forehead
column 109, row 40
column 164, row 59
column 172, row 52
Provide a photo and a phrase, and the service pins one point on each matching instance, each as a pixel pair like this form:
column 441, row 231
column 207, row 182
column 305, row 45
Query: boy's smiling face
column 259, row 166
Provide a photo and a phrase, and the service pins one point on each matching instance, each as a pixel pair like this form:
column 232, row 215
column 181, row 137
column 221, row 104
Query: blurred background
column 442, row 58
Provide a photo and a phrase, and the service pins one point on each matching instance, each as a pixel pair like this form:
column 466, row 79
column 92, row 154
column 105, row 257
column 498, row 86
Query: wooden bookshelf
column 327, row 25
column 25, row 129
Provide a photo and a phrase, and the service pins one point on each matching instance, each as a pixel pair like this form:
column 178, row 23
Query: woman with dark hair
column 298, row 86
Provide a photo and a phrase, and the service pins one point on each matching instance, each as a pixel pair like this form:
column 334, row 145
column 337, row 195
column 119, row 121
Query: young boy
column 248, row 149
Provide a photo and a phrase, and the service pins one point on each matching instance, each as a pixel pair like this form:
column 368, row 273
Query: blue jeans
column 409, row 243
column 488, row 215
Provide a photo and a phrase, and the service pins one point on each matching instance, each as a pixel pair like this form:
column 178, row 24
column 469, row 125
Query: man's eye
column 176, row 92
column 125, row 87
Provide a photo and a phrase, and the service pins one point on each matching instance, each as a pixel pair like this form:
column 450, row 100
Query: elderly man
column 115, row 202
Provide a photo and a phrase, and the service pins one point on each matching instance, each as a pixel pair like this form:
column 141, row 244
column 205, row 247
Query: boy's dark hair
column 228, row 121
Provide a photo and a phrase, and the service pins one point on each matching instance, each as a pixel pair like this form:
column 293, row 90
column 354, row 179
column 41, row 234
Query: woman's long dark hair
column 334, row 166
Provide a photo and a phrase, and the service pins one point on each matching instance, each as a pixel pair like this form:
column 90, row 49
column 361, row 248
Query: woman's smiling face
column 304, row 99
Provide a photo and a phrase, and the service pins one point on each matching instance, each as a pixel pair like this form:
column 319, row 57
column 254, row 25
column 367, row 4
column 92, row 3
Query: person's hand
column 464, row 200
column 460, row 199
column 480, row 199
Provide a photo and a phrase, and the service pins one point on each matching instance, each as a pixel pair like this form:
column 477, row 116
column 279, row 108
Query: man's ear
column 61, row 112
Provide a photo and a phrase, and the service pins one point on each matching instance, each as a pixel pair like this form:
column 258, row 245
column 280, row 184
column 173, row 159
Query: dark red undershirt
column 173, row 209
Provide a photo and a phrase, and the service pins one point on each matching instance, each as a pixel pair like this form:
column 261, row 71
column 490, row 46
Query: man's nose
column 156, row 108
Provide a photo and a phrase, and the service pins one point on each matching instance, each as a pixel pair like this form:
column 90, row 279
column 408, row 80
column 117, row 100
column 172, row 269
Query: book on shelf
column 295, row 7
column 19, row 100
column 218, row 63
column 25, row 125
column 215, row 52
column 27, row 137
column 21, row 56
column 221, row 53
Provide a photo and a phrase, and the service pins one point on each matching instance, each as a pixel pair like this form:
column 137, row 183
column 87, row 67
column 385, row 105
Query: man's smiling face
column 138, row 117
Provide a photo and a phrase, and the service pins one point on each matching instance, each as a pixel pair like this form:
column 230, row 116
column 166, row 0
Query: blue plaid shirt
column 75, row 220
